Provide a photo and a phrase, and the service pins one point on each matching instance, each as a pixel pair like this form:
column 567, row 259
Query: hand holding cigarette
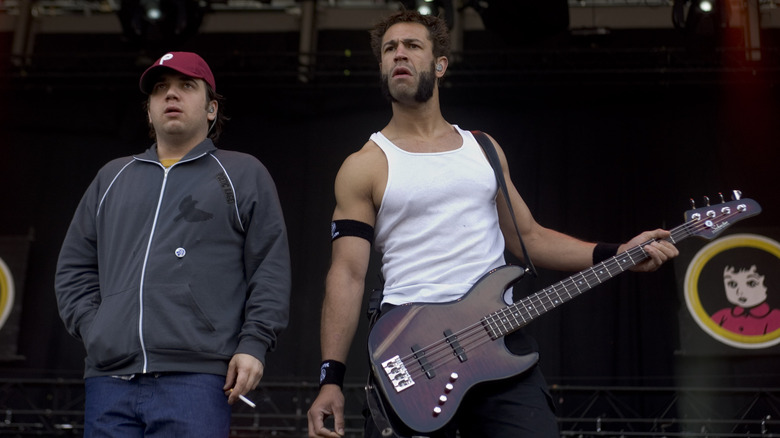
column 243, row 375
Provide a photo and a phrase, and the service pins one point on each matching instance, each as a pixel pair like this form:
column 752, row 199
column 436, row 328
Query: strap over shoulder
column 495, row 163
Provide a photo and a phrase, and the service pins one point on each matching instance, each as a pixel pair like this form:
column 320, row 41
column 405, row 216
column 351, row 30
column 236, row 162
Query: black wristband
column 332, row 371
column 603, row 251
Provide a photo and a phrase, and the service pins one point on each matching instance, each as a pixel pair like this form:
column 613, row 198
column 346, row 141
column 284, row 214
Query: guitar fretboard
column 522, row 312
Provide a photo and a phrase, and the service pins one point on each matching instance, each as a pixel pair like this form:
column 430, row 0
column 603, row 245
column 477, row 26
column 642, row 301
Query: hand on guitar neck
column 655, row 244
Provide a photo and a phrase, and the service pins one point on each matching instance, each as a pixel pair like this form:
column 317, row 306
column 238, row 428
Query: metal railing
column 54, row 408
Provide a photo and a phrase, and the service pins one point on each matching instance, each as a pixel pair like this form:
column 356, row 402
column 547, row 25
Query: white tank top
column 437, row 227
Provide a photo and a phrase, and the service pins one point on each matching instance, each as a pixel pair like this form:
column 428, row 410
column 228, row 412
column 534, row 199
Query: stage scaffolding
column 54, row 408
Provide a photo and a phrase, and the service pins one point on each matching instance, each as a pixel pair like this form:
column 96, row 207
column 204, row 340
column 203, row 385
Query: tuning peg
column 693, row 203
column 736, row 195
column 720, row 195
column 707, row 201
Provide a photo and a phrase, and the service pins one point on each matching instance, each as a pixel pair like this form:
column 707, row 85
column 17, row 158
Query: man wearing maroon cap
column 175, row 271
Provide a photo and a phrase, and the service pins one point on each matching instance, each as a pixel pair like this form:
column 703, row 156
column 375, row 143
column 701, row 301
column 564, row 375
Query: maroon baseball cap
column 187, row 63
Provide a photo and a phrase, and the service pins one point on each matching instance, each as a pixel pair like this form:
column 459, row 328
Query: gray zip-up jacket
column 178, row 269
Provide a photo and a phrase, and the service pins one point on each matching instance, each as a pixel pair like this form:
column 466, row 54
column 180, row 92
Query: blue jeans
column 157, row 405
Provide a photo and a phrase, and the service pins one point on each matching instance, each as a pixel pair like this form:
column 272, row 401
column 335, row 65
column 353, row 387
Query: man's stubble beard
column 424, row 88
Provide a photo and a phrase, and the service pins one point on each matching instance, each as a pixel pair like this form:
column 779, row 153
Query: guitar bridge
column 397, row 373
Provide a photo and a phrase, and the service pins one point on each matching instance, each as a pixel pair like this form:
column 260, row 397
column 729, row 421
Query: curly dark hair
column 219, row 121
column 438, row 32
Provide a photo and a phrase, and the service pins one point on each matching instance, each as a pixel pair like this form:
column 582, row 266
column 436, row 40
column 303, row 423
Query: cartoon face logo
column 729, row 291
column 749, row 314
column 744, row 288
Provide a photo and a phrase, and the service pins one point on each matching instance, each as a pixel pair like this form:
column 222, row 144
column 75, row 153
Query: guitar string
column 465, row 335
column 550, row 298
column 531, row 303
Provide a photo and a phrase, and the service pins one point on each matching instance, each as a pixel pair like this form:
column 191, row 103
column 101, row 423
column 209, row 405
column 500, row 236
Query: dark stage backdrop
column 599, row 162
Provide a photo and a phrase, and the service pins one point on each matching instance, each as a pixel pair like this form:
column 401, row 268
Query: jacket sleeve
column 267, row 268
column 76, row 283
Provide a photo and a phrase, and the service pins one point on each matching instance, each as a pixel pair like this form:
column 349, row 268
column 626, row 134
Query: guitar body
column 472, row 357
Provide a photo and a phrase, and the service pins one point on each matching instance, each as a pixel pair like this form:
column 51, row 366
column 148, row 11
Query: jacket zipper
column 143, row 269
column 146, row 256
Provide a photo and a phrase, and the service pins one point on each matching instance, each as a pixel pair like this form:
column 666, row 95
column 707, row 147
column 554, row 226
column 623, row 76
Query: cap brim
column 150, row 76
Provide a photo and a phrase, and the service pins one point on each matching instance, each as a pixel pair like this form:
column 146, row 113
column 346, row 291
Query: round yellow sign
column 728, row 294
column 6, row 292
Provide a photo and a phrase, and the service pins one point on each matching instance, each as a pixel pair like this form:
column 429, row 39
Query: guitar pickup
column 452, row 339
column 419, row 354
column 397, row 373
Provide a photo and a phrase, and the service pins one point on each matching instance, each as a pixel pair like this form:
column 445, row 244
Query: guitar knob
column 442, row 399
column 453, row 377
column 436, row 411
column 448, row 387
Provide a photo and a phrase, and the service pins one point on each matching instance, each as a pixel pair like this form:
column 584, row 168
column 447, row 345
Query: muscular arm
column 356, row 188
column 344, row 286
column 551, row 249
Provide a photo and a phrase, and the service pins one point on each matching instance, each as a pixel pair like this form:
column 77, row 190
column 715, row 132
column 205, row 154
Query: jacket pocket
column 112, row 337
column 173, row 320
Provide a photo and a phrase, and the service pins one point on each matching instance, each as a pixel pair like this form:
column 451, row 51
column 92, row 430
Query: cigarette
column 246, row 400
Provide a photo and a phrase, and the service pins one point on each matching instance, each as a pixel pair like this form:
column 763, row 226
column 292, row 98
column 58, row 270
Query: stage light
column 696, row 16
column 161, row 23
column 440, row 8
column 425, row 7
column 152, row 9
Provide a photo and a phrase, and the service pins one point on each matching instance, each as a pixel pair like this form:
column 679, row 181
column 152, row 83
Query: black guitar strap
column 379, row 414
column 495, row 163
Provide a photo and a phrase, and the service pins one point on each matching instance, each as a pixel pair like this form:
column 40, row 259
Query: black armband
column 349, row 227
column 603, row 251
column 332, row 371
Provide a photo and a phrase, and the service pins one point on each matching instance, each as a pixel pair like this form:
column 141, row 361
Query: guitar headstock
column 709, row 221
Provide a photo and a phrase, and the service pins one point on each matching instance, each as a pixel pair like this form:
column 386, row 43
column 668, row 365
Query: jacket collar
column 204, row 147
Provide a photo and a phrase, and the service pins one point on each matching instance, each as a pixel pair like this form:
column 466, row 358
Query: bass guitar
column 425, row 356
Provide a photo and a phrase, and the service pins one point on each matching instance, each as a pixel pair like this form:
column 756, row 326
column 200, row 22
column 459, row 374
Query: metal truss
column 54, row 408
column 86, row 7
column 468, row 69
column 592, row 411
column 598, row 52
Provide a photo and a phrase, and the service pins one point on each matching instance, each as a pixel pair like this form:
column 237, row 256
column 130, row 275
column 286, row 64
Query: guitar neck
column 522, row 312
